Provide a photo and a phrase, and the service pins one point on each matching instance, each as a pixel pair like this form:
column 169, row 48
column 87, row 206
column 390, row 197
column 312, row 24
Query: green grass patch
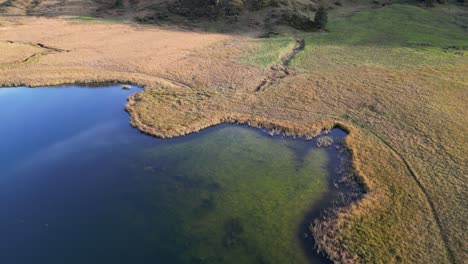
column 396, row 26
column 269, row 51
column 94, row 19
column 397, row 36
column 84, row 18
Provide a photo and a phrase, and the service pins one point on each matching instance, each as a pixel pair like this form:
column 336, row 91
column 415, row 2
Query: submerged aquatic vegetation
column 236, row 196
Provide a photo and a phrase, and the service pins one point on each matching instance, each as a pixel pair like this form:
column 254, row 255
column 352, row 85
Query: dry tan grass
column 394, row 108
column 16, row 53
column 407, row 126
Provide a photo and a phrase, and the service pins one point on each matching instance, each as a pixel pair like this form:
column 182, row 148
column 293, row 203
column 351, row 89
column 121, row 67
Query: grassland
column 407, row 65
column 397, row 37
column 269, row 51
column 395, row 77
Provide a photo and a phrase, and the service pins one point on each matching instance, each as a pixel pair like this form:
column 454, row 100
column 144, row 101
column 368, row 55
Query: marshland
column 392, row 74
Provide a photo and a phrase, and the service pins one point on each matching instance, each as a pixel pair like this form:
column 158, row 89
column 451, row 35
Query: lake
column 78, row 184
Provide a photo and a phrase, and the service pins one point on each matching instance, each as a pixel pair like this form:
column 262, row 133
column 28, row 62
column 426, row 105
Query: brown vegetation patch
column 14, row 53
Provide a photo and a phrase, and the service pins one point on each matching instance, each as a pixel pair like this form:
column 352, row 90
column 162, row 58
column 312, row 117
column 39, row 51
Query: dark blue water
column 78, row 184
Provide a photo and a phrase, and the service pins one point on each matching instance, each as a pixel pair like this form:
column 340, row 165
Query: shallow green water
column 235, row 196
column 80, row 185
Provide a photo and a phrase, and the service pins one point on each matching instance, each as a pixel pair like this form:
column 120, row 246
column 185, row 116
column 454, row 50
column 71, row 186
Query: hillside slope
column 216, row 15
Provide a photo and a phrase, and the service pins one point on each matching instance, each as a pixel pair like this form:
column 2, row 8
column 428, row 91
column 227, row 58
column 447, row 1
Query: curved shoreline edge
column 325, row 227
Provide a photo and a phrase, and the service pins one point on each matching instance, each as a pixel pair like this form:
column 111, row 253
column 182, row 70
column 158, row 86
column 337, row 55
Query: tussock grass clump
column 324, row 141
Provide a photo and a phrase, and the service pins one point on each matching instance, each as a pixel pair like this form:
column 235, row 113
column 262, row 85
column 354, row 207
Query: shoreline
column 325, row 217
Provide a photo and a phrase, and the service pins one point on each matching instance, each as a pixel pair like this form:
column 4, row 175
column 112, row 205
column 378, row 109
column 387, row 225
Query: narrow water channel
column 78, row 184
